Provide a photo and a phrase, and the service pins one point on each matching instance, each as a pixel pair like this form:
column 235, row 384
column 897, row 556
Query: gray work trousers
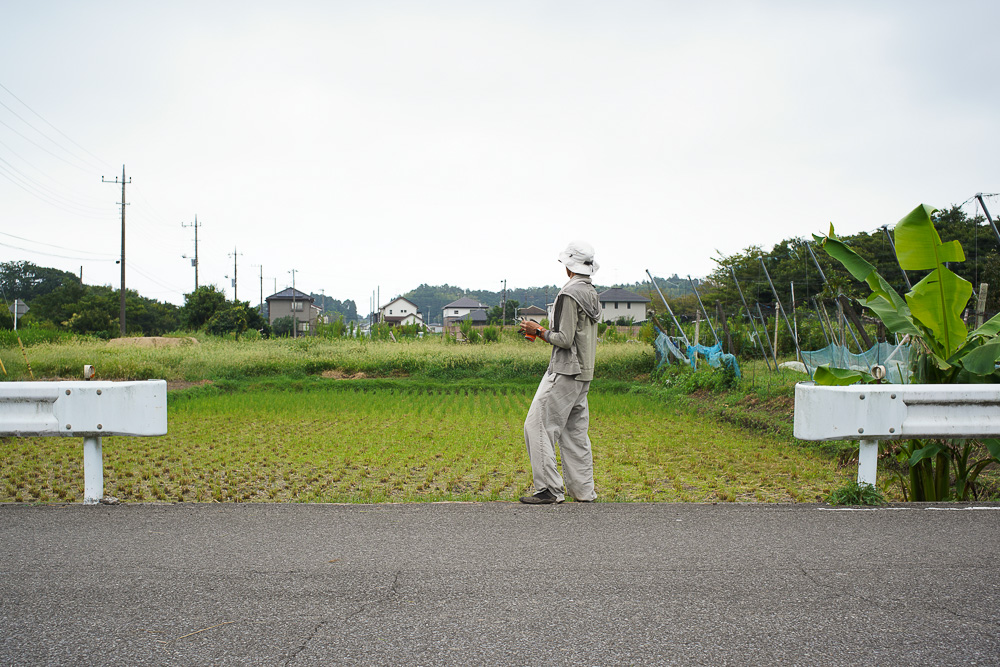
column 559, row 413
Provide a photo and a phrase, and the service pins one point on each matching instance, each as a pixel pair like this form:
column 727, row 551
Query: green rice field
column 383, row 441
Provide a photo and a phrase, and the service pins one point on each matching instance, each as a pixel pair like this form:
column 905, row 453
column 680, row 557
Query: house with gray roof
column 295, row 304
column 533, row 313
column 617, row 303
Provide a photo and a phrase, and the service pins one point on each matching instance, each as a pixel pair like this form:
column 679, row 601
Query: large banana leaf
column 990, row 328
column 937, row 302
column 918, row 245
column 982, row 360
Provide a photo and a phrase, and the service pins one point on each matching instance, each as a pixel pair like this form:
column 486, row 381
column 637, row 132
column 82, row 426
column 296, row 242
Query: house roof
column 396, row 319
column 531, row 310
column 466, row 302
column 617, row 294
column 289, row 294
column 477, row 317
column 400, row 298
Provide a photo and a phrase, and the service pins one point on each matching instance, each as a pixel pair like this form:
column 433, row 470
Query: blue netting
column 714, row 355
column 895, row 358
column 667, row 347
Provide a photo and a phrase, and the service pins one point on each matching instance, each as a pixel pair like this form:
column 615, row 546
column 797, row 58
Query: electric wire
column 50, row 254
column 169, row 288
column 46, row 194
column 40, row 147
column 100, row 163
column 99, row 255
column 80, row 198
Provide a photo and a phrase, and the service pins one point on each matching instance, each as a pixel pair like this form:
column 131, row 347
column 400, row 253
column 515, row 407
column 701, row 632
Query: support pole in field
column 822, row 324
column 763, row 322
column 816, row 262
column 778, row 307
column 676, row 323
column 979, row 197
column 753, row 324
column 981, row 304
column 892, row 244
column 829, row 325
column 707, row 318
column 795, row 325
column 855, row 320
column 725, row 326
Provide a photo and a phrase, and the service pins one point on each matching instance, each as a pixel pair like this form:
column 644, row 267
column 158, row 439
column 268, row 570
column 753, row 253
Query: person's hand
column 529, row 328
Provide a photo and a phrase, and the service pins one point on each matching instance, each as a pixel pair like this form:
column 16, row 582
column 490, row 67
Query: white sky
column 381, row 145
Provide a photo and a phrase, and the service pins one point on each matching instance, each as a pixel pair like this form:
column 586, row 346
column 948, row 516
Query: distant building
column 400, row 311
column 464, row 309
column 533, row 313
column 294, row 304
column 617, row 303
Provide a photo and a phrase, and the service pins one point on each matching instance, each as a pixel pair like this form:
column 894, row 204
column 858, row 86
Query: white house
column 400, row 311
column 464, row 308
column 617, row 303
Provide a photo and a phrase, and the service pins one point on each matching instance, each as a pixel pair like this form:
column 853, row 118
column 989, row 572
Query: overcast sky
column 381, row 145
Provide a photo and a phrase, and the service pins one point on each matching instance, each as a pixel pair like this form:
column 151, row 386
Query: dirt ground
column 152, row 341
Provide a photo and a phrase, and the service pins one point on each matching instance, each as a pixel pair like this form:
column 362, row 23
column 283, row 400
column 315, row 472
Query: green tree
column 229, row 319
column 201, row 304
column 282, row 326
column 27, row 281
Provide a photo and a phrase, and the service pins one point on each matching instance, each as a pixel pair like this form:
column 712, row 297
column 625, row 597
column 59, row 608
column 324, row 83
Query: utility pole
column 261, row 307
column 503, row 305
column 295, row 321
column 121, row 316
column 194, row 262
column 234, row 255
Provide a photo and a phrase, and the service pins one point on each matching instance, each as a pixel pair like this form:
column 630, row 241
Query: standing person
column 559, row 412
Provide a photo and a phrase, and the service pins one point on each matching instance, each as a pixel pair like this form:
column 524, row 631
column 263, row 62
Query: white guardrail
column 874, row 412
column 88, row 409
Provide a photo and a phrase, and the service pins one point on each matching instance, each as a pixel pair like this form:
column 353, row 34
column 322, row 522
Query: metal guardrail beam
column 870, row 413
column 89, row 410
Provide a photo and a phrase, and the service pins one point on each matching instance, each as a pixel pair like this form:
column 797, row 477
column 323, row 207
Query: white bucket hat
column 578, row 257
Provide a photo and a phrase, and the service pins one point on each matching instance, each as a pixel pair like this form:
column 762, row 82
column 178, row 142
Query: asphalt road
column 499, row 584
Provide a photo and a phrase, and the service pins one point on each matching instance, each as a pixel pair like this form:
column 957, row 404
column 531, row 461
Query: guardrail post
column 93, row 471
column 867, row 461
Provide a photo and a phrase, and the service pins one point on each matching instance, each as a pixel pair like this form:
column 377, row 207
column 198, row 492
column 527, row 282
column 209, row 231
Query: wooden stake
column 981, row 304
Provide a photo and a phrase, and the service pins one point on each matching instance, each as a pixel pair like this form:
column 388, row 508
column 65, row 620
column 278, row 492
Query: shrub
column 854, row 493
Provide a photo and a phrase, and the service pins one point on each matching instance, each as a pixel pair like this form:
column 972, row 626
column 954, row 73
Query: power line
column 68, row 138
column 52, row 198
column 52, row 245
column 44, row 175
column 39, row 146
column 50, row 254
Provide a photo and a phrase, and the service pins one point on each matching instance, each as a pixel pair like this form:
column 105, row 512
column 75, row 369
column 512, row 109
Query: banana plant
column 930, row 313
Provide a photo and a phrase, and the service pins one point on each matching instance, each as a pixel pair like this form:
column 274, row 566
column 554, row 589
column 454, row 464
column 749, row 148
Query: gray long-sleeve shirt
column 574, row 333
